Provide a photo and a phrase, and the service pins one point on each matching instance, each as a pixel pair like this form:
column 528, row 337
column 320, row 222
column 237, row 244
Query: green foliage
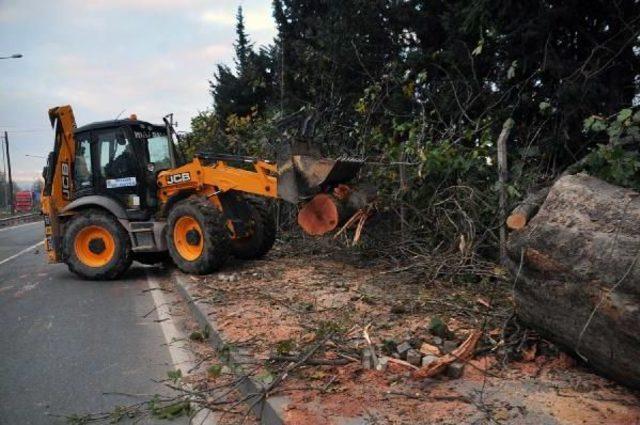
column 200, row 334
column 174, row 375
column 438, row 327
column 617, row 161
column 169, row 410
column 246, row 89
column 285, row 346
column 214, row 371
column 266, row 377
column 329, row 328
column 429, row 84
column 389, row 346
column 224, row 352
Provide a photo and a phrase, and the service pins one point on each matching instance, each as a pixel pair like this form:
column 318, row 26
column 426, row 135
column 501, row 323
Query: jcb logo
column 178, row 178
column 66, row 185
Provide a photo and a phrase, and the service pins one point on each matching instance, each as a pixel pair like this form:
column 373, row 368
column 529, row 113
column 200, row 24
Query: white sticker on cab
column 121, row 182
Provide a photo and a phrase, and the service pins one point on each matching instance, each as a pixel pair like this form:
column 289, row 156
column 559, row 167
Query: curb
column 270, row 410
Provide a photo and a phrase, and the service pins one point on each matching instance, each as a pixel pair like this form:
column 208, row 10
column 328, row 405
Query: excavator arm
column 212, row 179
column 57, row 190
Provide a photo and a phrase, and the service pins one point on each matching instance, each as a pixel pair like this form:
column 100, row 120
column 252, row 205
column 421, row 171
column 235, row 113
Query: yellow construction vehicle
column 118, row 191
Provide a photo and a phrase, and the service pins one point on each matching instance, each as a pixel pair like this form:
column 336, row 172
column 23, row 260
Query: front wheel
column 197, row 238
column 262, row 232
column 96, row 246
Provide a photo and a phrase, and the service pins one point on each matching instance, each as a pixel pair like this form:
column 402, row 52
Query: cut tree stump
column 577, row 273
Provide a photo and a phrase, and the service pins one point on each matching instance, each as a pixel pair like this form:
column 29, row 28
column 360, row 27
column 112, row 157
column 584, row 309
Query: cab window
column 159, row 152
column 117, row 158
column 82, row 170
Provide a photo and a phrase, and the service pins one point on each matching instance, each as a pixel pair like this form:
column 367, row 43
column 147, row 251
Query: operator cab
column 120, row 159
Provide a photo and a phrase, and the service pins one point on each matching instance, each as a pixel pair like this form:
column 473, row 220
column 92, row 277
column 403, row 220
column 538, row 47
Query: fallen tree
column 577, row 273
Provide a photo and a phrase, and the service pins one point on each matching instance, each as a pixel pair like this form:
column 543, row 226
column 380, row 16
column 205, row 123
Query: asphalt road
column 64, row 342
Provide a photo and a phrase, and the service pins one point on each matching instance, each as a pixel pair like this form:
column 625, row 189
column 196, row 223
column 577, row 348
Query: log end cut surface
column 516, row 221
column 319, row 216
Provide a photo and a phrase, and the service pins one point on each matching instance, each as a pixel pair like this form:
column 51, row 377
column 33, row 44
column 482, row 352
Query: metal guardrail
column 18, row 218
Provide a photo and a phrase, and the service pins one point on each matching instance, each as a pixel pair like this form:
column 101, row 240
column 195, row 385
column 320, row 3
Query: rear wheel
column 96, row 246
column 197, row 238
column 262, row 232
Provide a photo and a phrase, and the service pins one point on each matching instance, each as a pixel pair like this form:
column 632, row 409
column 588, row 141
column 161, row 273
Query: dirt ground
column 279, row 308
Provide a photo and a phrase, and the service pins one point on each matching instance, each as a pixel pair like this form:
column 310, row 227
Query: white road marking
column 4, row 229
column 173, row 337
column 176, row 342
column 31, row 248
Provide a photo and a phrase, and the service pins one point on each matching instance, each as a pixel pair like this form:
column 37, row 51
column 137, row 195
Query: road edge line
column 24, row 251
column 180, row 356
column 269, row 411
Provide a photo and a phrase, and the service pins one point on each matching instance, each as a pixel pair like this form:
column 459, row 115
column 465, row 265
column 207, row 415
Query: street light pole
column 11, row 206
column 6, row 140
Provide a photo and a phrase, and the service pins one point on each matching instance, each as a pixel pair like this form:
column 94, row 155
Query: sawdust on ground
column 286, row 302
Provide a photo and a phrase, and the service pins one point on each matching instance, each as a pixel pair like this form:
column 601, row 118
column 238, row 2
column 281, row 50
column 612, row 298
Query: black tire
column 214, row 233
column 263, row 232
column 151, row 258
column 121, row 259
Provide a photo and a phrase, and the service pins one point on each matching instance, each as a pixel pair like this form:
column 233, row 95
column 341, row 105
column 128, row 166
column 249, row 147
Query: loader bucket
column 302, row 176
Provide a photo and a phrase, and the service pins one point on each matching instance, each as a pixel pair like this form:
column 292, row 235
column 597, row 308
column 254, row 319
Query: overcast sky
column 149, row 57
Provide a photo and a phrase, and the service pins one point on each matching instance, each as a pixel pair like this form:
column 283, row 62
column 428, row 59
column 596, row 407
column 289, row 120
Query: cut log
column 578, row 275
column 526, row 209
column 323, row 214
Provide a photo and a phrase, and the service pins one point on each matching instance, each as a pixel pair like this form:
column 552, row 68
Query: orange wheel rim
column 188, row 238
column 94, row 246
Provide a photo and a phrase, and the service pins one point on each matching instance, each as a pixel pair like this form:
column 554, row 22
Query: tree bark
column 503, row 177
column 578, row 276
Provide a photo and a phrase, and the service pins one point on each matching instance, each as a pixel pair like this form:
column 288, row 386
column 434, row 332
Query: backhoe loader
column 118, row 191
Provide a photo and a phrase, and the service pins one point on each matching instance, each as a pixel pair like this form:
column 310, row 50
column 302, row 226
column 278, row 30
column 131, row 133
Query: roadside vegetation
column 421, row 89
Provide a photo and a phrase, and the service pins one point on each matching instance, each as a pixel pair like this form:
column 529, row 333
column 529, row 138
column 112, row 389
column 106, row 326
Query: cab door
column 83, row 166
column 118, row 174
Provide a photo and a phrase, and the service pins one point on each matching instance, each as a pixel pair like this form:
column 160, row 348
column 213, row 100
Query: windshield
column 159, row 152
column 158, row 146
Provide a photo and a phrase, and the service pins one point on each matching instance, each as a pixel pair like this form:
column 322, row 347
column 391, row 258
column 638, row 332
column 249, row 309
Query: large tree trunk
column 323, row 214
column 578, row 273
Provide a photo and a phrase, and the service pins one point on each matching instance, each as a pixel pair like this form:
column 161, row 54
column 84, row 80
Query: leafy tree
column 243, row 47
column 430, row 83
column 244, row 90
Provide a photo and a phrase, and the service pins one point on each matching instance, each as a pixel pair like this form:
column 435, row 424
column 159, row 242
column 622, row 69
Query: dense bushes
column 421, row 88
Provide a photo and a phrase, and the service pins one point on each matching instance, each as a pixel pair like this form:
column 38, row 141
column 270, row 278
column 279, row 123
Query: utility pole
column 10, row 198
column 3, row 177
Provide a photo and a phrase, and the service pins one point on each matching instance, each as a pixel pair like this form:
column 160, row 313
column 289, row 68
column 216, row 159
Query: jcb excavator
column 118, row 191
